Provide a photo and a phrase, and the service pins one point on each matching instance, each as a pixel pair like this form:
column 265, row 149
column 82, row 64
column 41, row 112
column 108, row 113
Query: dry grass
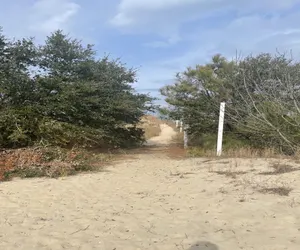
column 231, row 171
column 244, row 152
column 279, row 168
column 251, row 153
column 232, row 174
column 48, row 162
column 248, row 177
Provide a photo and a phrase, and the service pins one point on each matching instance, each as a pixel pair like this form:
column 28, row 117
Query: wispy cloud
column 243, row 35
column 164, row 44
column 166, row 17
column 37, row 18
column 49, row 15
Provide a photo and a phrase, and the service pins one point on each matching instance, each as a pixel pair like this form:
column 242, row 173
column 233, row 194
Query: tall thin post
column 181, row 127
column 220, row 129
column 177, row 123
column 185, row 137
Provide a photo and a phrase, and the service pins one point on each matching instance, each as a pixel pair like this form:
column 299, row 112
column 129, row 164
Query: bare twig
column 84, row 229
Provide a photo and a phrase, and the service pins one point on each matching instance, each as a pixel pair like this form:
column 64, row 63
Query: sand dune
column 165, row 137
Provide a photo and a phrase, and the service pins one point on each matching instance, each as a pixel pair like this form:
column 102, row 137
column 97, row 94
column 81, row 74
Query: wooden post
column 177, row 123
column 181, row 127
column 220, row 129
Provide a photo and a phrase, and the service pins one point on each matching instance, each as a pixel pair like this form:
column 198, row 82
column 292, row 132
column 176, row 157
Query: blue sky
column 161, row 37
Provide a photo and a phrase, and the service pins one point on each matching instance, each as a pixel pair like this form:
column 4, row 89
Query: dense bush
column 59, row 93
column 262, row 96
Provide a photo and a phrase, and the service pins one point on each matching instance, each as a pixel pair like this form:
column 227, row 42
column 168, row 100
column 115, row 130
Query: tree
column 267, row 106
column 69, row 98
column 196, row 94
column 262, row 96
column 62, row 56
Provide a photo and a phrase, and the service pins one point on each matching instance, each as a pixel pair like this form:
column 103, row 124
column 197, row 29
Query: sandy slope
column 165, row 137
column 153, row 202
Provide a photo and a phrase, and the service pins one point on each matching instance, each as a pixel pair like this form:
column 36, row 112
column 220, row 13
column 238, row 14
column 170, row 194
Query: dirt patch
column 175, row 151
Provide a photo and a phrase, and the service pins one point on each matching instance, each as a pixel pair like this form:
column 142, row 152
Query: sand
column 154, row 202
column 165, row 137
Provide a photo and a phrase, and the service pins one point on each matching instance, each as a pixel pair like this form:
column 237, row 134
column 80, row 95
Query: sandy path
column 165, row 137
column 152, row 202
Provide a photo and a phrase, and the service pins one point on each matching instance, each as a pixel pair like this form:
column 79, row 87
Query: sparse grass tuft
column 283, row 168
column 243, row 152
column 228, row 173
column 280, row 169
column 282, row 191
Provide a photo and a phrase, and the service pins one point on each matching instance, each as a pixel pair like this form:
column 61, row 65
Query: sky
column 161, row 37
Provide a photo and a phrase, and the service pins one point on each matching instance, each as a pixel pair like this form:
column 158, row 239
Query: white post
column 220, row 129
column 181, row 126
column 177, row 123
column 185, row 137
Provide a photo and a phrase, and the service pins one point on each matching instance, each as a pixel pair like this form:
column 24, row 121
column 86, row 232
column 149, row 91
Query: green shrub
column 71, row 99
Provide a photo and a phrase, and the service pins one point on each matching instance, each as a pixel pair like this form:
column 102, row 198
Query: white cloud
column 164, row 44
column 37, row 18
column 246, row 34
column 49, row 15
column 165, row 17
column 128, row 10
column 253, row 34
column 154, row 16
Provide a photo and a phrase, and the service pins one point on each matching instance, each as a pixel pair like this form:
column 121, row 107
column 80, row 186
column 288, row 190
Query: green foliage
column 262, row 96
column 207, row 143
column 60, row 94
column 196, row 93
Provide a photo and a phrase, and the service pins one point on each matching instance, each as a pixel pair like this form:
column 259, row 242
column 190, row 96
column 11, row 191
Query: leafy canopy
column 262, row 96
column 59, row 93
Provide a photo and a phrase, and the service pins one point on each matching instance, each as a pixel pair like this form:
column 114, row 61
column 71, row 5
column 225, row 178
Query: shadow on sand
column 204, row 245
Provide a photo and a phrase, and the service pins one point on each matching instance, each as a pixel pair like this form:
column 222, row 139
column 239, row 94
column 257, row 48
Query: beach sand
column 152, row 201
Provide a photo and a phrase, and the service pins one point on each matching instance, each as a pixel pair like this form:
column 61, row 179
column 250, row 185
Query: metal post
column 220, row 129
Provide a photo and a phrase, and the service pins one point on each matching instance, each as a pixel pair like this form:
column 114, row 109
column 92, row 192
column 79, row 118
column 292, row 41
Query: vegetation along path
column 153, row 201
